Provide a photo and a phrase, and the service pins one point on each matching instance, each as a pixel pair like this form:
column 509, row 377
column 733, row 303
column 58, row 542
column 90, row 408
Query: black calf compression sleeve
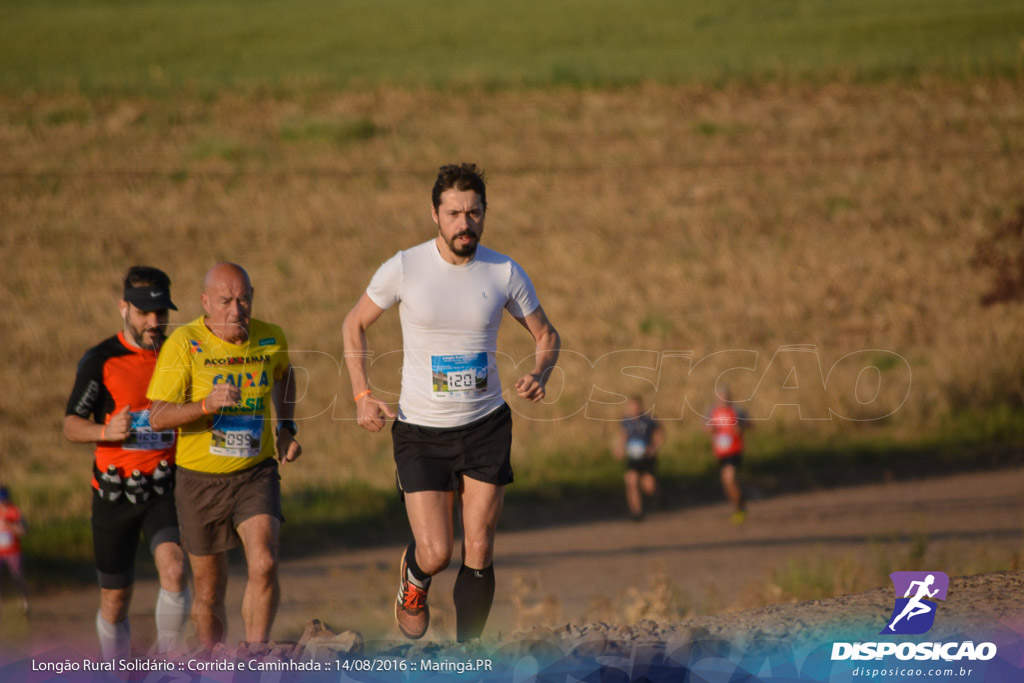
column 474, row 594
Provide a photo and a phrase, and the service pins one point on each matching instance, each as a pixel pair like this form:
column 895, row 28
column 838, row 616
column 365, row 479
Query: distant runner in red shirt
column 726, row 425
column 108, row 407
column 12, row 528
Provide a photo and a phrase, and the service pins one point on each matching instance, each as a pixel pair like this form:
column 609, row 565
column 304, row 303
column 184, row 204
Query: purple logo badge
column 914, row 612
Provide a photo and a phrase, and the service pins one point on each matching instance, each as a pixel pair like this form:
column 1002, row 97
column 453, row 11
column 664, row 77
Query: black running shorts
column 436, row 459
column 115, row 534
column 733, row 460
column 643, row 465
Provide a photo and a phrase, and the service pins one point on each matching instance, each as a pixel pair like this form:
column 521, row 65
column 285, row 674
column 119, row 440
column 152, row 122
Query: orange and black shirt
column 110, row 376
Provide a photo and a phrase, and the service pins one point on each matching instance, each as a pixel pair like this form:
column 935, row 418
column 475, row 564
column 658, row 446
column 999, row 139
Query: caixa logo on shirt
column 243, row 380
column 914, row 612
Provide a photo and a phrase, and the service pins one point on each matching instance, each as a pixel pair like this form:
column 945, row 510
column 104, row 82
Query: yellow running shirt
column 192, row 361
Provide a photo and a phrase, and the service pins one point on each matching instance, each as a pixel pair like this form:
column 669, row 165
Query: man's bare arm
column 283, row 396
column 80, row 430
column 168, row 415
column 548, row 344
column 370, row 411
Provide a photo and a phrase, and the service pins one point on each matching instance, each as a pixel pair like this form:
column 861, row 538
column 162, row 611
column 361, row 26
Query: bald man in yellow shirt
column 215, row 381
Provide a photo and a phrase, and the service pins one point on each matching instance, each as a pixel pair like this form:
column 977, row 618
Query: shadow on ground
column 356, row 516
column 566, row 504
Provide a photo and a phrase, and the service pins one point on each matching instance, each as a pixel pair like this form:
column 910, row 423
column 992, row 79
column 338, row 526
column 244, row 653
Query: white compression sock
column 115, row 639
column 171, row 616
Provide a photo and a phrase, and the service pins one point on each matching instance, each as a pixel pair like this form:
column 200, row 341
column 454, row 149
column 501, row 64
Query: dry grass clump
column 818, row 576
column 732, row 223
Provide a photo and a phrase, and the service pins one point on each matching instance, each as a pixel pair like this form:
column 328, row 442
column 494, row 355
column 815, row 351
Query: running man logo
column 196, row 348
column 914, row 613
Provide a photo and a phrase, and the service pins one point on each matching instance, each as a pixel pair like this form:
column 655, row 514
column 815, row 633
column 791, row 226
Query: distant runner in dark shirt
column 640, row 437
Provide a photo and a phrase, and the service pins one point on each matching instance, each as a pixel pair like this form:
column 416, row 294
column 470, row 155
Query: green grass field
column 160, row 46
column 702, row 175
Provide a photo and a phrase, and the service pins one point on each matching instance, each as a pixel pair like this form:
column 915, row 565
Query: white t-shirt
column 450, row 316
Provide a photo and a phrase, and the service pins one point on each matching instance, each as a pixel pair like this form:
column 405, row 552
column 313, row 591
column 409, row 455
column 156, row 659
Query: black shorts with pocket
column 436, row 458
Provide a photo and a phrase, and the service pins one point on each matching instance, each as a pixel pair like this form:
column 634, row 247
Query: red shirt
column 726, row 432
column 10, row 543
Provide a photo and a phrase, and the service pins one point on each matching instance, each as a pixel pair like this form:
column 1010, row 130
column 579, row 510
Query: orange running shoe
column 411, row 610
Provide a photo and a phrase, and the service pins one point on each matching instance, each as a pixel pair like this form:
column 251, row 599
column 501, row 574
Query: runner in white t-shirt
column 453, row 432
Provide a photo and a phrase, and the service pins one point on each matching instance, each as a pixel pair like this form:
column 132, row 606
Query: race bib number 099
column 238, row 440
column 237, row 436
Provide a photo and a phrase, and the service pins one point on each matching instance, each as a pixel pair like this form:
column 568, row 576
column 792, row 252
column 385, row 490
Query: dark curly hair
column 460, row 177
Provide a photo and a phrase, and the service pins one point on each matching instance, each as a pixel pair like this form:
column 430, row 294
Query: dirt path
column 693, row 560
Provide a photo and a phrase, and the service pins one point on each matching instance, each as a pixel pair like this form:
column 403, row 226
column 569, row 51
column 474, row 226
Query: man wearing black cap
column 134, row 465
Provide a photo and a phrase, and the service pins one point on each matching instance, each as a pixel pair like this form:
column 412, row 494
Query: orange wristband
column 103, row 433
column 362, row 394
column 202, row 405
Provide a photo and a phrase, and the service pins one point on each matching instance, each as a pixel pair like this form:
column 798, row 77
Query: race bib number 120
column 458, row 376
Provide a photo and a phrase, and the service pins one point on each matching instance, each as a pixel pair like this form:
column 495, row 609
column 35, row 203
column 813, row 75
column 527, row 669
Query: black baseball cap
column 148, row 298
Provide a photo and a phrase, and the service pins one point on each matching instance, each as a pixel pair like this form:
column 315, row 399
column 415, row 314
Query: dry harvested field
column 728, row 222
